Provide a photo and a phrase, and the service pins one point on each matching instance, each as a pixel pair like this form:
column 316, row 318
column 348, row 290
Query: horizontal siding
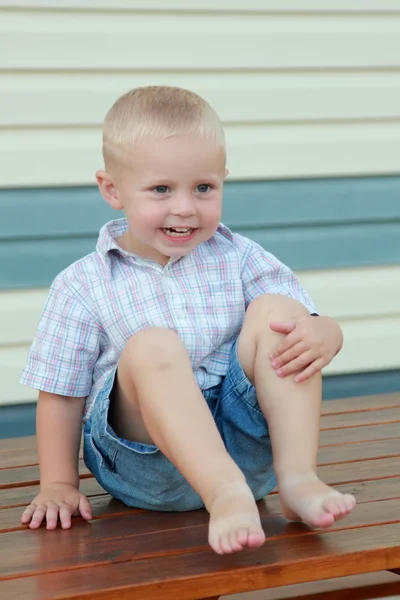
column 69, row 156
column 308, row 224
column 266, row 42
column 345, row 294
column 371, row 345
column 31, row 263
column 262, row 6
column 365, row 301
column 83, row 99
column 62, row 212
column 306, row 89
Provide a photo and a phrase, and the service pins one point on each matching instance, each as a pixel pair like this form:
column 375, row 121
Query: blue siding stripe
column 308, row 224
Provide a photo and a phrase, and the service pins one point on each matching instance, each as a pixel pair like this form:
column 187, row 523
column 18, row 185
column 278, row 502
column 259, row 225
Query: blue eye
column 161, row 189
column 203, row 188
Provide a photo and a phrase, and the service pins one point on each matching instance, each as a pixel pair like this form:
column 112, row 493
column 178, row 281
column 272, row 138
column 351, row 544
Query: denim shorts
column 141, row 476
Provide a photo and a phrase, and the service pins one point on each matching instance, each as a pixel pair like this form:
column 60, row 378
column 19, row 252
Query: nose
column 182, row 206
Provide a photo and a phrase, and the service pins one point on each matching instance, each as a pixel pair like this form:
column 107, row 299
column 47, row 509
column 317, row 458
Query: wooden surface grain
column 130, row 553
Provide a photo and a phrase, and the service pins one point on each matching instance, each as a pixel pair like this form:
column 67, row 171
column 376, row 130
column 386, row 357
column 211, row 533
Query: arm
column 310, row 343
column 58, row 437
column 58, row 427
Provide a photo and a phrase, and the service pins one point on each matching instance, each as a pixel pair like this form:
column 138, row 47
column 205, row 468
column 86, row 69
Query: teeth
column 178, row 231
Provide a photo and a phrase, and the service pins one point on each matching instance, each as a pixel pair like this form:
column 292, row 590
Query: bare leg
column 157, row 400
column 292, row 411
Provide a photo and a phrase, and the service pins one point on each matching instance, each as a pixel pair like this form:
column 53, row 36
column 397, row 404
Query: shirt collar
column 114, row 229
column 108, row 234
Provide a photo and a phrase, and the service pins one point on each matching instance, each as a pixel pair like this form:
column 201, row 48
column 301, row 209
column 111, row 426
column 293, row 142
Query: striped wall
column 371, row 334
column 309, row 92
column 305, row 88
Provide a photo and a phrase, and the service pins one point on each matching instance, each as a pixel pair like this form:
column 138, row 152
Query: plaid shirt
column 95, row 305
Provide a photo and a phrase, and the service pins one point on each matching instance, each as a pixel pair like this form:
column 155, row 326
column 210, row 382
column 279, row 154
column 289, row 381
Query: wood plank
column 18, row 452
column 358, row 419
column 329, row 407
column 319, row 590
column 332, row 474
column 360, row 403
column 24, row 457
column 17, row 477
column 327, row 438
column 358, row 452
column 19, row 443
column 12, row 475
column 203, row 574
column 145, row 535
column 104, row 506
column 21, row 496
column 353, row 435
column 364, row 491
column 366, row 592
column 30, row 475
column 361, row 471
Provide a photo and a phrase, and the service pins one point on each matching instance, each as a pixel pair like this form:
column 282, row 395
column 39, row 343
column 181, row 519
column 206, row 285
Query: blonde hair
column 158, row 111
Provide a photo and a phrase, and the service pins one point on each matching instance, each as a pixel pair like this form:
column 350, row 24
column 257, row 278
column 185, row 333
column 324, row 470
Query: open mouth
column 178, row 231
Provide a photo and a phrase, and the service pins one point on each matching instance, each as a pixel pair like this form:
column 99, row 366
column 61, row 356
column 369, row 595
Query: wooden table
column 126, row 554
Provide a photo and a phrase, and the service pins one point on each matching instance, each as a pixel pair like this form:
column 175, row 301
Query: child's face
column 171, row 192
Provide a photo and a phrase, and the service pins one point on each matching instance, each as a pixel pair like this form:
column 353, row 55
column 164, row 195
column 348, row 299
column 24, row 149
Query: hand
column 309, row 345
column 58, row 500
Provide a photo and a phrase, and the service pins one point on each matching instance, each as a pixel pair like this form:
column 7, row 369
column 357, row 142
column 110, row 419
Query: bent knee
column 271, row 307
column 155, row 346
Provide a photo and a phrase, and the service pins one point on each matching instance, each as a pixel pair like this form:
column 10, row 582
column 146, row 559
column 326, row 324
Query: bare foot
column 306, row 498
column 234, row 520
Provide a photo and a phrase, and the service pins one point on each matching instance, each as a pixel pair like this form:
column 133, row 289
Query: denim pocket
column 104, row 458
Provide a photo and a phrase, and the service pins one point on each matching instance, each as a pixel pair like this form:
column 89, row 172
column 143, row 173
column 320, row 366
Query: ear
column 108, row 190
column 226, row 173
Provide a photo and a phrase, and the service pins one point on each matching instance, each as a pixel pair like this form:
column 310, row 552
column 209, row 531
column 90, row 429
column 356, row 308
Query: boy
column 189, row 352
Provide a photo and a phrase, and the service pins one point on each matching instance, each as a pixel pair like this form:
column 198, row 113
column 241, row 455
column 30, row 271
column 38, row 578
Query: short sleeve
column 263, row 273
column 65, row 347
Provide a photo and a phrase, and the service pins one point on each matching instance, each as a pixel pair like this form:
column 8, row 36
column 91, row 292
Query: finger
column 38, row 516
column 283, row 326
column 296, row 365
column 85, row 508
column 65, row 516
column 52, row 516
column 311, row 370
column 28, row 512
column 289, row 355
column 290, row 340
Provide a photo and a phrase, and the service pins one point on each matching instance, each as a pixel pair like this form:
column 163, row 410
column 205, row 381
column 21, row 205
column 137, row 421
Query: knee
column 273, row 307
column 156, row 347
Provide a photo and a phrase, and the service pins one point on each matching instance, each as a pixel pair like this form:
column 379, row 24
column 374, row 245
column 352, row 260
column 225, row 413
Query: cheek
column 145, row 216
column 212, row 214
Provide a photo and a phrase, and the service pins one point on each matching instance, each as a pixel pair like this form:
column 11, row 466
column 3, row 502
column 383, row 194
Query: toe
column 215, row 543
column 334, row 505
column 326, row 520
column 242, row 536
column 256, row 537
column 225, row 544
column 234, row 542
column 349, row 501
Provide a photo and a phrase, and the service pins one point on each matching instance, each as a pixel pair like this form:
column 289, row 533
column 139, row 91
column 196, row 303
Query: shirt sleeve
column 263, row 273
column 66, row 345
